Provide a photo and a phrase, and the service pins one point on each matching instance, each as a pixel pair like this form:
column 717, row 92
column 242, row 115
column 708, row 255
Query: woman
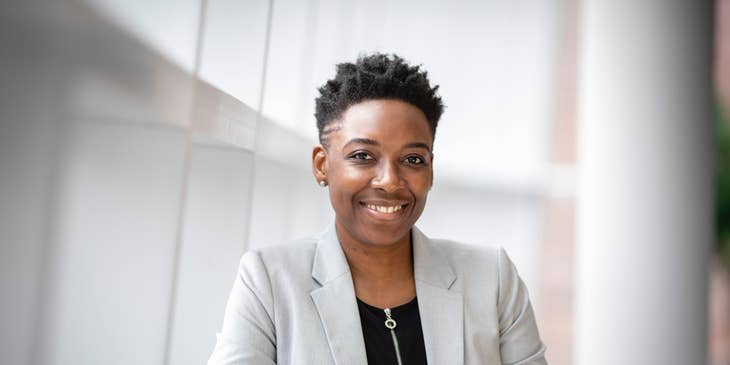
column 373, row 289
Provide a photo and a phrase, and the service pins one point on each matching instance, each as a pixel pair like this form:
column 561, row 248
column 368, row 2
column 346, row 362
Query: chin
column 383, row 237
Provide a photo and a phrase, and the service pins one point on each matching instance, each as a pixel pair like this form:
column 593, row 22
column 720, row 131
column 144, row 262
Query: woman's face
column 379, row 168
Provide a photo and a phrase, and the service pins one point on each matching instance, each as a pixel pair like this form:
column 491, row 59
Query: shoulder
column 286, row 251
column 287, row 258
column 478, row 265
column 469, row 256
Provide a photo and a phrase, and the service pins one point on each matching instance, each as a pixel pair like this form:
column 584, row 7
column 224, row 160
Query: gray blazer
column 295, row 304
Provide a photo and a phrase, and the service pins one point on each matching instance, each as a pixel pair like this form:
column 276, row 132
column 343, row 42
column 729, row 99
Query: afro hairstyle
column 376, row 76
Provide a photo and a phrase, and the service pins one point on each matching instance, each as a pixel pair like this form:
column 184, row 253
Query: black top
column 379, row 341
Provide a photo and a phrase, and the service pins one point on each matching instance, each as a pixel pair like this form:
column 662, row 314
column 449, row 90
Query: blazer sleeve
column 248, row 335
column 520, row 342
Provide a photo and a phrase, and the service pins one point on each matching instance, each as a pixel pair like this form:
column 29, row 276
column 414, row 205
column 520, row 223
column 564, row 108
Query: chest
column 325, row 327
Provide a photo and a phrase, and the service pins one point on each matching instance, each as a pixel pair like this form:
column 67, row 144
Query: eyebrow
column 418, row 145
column 371, row 142
column 361, row 141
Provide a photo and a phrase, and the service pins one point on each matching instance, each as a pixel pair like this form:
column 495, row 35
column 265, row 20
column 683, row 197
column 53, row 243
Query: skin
column 378, row 153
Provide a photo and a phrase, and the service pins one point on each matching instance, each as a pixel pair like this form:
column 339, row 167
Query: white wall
column 137, row 165
column 111, row 248
column 214, row 233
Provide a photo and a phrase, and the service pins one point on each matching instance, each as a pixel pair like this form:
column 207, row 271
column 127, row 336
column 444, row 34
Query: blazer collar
column 441, row 309
column 336, row 303
column 329, row 259
column 428, row 265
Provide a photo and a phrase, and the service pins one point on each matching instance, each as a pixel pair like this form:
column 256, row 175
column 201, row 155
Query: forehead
column 385, row 121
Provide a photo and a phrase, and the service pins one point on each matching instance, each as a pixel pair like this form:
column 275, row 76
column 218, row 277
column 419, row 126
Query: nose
column 388, row 178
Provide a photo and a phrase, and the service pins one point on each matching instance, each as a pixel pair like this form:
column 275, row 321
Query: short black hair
column 376, row 76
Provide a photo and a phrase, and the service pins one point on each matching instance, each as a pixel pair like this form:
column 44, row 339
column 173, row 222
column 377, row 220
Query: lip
column 382, row 202
column 386, row 203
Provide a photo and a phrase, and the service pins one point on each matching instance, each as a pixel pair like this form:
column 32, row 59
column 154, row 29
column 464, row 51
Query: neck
column 382, row 274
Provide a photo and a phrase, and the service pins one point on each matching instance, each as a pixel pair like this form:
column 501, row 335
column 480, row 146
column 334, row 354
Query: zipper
column 390, row 324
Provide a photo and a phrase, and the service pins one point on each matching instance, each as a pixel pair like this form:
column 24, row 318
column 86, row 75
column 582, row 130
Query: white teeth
column 383, row 209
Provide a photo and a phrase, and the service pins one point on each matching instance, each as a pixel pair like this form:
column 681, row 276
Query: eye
column 361, row 156
column 414, row 160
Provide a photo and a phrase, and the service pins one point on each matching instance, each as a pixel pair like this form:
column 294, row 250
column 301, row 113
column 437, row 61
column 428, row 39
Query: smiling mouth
column 385, row 209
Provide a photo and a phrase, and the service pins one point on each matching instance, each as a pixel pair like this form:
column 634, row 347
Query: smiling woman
column 372, row 288
column 378, row 164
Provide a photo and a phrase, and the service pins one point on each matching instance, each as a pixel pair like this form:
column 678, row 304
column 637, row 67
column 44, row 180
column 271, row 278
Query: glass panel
column 288, row 204
column 92, row 160
column 111, row 258
column 233, row 47
column 215, row 230
column 286, row 198
column 167, row 26
column 289, row 79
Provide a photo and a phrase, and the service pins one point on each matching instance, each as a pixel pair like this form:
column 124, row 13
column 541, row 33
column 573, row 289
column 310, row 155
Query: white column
column 645, row 182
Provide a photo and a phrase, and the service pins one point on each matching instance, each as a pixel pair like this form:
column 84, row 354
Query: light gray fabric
column 295, row 304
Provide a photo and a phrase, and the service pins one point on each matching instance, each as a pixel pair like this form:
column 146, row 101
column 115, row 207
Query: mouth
column 385, row 210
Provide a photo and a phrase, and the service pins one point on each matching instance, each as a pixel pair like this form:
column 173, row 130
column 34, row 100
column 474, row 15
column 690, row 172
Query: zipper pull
column 389, row 322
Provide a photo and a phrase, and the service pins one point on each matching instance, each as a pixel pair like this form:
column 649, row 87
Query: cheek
column 420, row 183
column 354, row 175
column 345, row 184
column 421, row 190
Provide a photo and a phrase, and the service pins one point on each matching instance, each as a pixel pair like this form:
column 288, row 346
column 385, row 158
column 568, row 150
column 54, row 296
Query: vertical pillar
column 645, row 182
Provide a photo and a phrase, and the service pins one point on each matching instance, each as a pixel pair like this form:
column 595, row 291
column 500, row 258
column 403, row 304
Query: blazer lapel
column 335, row 301
column 441, row 309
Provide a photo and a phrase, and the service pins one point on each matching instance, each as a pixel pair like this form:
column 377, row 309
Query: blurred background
column 145, row 145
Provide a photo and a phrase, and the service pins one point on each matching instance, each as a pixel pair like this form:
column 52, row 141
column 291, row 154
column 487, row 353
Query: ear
column 319, row 163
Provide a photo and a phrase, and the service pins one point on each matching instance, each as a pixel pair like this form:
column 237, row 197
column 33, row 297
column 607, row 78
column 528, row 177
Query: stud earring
column 323, row 183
